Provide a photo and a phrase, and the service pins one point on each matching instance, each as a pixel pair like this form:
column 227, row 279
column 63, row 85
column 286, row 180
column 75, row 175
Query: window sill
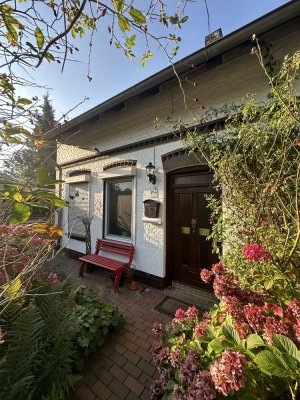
column 79, row 238
column 155, row 221
column 120, row 239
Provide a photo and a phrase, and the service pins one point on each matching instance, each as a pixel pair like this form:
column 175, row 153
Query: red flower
column 256, row 317
column 192, row 312
column 228, row 372
column 206, row 275
column 200, row 329
column 274, row 325
column 243, row 329
column 218, row 268
column 180, row 313
column 233, row 307
column 296, row 328
column 276, row 310
column 255, row 252
column 157, row 329
column 293, row 310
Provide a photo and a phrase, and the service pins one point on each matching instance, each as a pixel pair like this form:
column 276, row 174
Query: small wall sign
column 153, row 192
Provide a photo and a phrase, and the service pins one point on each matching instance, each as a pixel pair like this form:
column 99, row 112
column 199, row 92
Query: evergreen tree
column 24, row 163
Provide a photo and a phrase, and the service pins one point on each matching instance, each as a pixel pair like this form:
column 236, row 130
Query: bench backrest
column 124, row 249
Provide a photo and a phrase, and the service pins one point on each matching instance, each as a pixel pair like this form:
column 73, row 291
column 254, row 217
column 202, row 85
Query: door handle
column 194, row 225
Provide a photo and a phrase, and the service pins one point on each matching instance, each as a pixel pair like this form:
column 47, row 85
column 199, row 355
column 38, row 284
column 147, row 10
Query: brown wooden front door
column 189, row 226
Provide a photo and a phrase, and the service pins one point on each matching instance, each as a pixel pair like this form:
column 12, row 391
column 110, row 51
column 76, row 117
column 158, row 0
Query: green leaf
column 17, row 196
column 49, row 57
column 20, row 213
column 24, row 101
column 137, row 16
column 284, row 344
column 269, row 284
column 130, row 41
column 217, row 345
column 231, row 334
column 42, row 175
column 253, row 341
column 184, row 19
column 272, row 364
column 119, row 5
column 32, row 47
column 39, row 37
column 123, row 23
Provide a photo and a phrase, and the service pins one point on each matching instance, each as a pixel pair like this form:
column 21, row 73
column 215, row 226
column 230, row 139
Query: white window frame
column 132, row 226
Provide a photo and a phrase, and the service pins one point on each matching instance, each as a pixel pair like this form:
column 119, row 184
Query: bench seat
column 116, row 266
column 105, row 262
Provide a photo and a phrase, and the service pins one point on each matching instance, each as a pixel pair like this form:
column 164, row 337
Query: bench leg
column 117, row 280
column 82, row 265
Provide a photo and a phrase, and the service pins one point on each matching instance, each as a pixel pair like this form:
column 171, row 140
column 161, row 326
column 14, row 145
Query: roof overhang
column 260, row 26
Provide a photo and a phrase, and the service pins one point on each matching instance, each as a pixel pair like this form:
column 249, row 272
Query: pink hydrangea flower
column 157, row 329
column 175, row 357
column 293, row 310
column 206, row 275
column 256, row 317
column 296, row 329
column 228, row 372
column 273, row 308
column 160, row 354
column 18, row 267
column 243, row 329
column 53, row 279
column 255, row 252
column 274, row 325
column 224, row 286
column 218, row 268
column 202, row 387
column 233, row 307
column 189, row 367
column 192, row 312
column 159, row 386
column 178, row 393
column 180, row 313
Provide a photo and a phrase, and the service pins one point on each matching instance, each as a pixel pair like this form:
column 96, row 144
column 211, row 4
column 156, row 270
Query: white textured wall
column 148, row 238
column 226, row 83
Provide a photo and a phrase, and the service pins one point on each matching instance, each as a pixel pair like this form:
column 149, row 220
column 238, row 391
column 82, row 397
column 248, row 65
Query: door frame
column 169, row 217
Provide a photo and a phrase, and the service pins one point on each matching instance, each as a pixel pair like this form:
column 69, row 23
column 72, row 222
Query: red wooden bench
column 116, row 266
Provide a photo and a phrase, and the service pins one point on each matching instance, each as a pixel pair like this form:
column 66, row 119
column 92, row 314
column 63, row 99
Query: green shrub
column 46, row 340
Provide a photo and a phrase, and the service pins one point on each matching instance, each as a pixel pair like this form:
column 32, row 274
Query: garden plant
column 48, row 325
column 248, row 345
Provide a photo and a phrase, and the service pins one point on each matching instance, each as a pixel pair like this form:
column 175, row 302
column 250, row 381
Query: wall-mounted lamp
column 150, row 171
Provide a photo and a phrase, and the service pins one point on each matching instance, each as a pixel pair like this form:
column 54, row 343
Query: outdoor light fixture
column 150, row 171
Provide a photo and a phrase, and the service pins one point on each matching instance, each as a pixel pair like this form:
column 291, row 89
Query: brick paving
column 122, row 369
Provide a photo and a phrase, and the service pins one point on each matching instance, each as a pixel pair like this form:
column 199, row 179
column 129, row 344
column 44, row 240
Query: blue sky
column 112, row 72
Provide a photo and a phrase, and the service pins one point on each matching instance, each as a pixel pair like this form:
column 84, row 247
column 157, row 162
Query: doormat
column 169, row 305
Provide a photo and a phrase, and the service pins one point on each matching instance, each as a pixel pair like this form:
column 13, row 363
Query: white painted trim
column 118, row 173
column 155, row 221
column 79, row 178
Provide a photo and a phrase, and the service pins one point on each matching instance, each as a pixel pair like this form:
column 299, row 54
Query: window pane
column 119, row 203
column 79, row 208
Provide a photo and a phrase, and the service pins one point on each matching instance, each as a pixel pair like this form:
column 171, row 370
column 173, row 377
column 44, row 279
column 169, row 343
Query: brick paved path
column 122, row 368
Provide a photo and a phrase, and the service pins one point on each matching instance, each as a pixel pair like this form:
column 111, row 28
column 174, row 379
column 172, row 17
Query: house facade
column 102, row 154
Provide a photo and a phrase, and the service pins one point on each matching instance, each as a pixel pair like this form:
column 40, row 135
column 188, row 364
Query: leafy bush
column 245, row 348
column 92, row 321
column 46, row 339
column 256, row 165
